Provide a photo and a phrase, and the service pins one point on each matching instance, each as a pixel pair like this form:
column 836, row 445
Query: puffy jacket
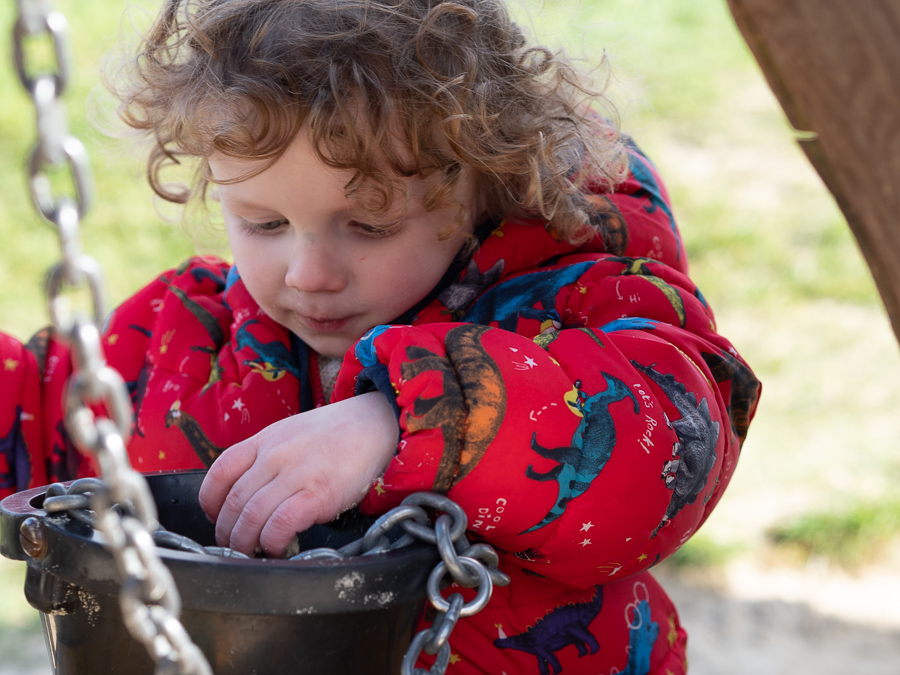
column 576, row 401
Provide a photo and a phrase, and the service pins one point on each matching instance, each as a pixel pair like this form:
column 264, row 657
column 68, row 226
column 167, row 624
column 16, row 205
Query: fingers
column 295, row 514
column 245, row 492
column 247, row 506
column 298, row 472
column 242, row 520
column 269, row 512
column 223, row 474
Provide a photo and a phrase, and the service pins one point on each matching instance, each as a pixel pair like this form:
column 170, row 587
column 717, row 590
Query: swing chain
column 123, row 508
column 149, row 598
column 469, row 566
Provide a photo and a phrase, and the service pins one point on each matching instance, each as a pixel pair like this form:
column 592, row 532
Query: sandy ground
column 760, row 632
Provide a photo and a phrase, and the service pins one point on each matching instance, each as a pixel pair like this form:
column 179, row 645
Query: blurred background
column 798, row 570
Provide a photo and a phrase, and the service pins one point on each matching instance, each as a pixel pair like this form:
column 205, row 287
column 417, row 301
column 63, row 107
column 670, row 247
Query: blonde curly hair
column 454, row 81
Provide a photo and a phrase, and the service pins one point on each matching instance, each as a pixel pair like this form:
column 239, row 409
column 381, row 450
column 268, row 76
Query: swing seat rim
column 76, row 554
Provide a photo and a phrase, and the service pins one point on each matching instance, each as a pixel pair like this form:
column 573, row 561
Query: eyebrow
column 353, row 211
column 239, row 203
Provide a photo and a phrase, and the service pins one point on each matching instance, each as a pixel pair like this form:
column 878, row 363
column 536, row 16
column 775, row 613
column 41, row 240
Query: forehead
column 380, row 182
column 299, row 182
column 294, row 179
column 297, row 154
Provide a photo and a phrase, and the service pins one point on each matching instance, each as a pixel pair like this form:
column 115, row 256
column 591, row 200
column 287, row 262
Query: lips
column 324, row 324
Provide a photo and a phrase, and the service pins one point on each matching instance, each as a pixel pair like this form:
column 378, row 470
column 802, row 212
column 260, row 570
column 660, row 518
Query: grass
column 20, row 630
column 702, row 553
column 122, row 229
column 850, row 536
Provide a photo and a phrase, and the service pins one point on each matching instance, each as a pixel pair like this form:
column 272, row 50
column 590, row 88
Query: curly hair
column 454, row 81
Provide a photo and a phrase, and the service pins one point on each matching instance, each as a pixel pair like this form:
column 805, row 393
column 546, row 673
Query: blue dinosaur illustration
column 275, row 358
column 629, row 323
column 201, row 273
column 232, row 277
column 12, row 446
column 701, row 298
column 564, row 626
column 592, row 446
column 365, row 348
column 146, row 332
column 641, row 637
column 507, row 301
column 64, row 458
column 650, row 188
column 694, row 455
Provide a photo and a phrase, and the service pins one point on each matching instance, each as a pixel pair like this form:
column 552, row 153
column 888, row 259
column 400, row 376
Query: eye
column 267, row 227
column 376, row 231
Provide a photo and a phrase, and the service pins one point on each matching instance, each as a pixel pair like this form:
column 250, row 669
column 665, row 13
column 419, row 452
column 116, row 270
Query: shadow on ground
column 773, row 637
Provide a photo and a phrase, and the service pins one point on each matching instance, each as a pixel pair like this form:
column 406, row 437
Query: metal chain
column 149, row 599
column 469, row 565
column 122, row 506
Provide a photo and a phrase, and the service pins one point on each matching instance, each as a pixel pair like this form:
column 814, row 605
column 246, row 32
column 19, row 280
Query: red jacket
column 576, row 401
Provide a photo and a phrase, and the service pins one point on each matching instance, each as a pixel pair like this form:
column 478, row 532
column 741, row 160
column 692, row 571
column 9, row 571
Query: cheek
column 389, row 280
column 259, row 271
column 390, row 288
column 406, row 275
column 420, row 273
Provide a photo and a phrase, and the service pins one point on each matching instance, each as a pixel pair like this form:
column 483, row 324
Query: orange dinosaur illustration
column 467, row 367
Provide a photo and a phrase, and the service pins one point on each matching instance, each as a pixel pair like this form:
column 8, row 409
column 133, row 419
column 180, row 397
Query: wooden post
column 835, row 68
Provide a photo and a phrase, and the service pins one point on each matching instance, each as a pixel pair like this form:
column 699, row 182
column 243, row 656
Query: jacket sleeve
column 203, row 368
column 585, row 454
column 36, row 449
column 22, row 460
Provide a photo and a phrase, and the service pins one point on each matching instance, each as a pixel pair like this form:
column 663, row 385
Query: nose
column 315, row 266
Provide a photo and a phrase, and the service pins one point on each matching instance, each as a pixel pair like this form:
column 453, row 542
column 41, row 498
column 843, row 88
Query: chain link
column 149, row 598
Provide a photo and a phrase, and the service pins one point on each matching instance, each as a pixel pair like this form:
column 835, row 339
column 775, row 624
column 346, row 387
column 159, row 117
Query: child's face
column 309, row 259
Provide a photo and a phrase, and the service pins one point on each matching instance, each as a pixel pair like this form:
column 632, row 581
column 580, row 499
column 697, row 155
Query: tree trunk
column 835, row 68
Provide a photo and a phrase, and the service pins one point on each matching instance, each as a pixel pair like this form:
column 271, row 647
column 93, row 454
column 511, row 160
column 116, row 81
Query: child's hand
column 300, row 471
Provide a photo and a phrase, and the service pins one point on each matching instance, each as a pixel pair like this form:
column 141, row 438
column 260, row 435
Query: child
column 415, row 196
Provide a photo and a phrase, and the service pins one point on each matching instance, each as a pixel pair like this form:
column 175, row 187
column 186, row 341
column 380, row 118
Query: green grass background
column 768, row 247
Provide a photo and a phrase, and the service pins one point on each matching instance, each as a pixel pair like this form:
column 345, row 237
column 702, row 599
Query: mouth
column 324, row 324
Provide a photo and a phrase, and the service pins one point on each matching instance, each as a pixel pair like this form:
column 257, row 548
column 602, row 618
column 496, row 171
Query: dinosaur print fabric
column 575, row 400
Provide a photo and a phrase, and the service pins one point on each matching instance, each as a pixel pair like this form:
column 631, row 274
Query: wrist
column 384, row 423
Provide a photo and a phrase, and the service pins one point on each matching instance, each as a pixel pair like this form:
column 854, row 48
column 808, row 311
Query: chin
column 331, row 354
column 334, row 349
